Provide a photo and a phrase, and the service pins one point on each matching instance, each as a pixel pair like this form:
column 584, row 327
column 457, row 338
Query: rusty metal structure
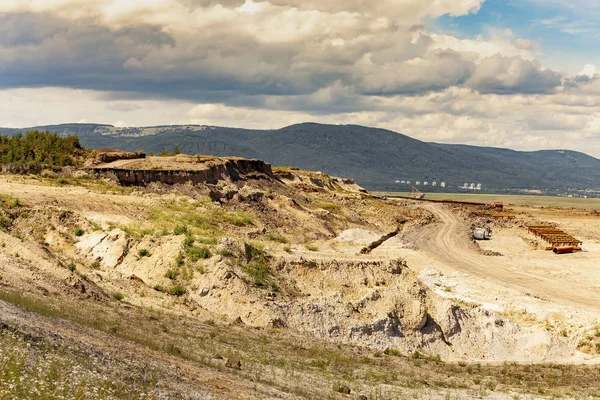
column 556, row 237
column 495, row 215
column 502, row 216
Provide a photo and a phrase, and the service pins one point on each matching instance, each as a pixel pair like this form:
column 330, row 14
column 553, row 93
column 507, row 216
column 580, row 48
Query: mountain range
column 375, row 158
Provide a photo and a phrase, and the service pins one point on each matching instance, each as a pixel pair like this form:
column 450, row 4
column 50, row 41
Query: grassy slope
column 276, row 359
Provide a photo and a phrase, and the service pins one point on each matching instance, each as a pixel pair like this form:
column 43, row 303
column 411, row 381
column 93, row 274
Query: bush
column 79, row 231
column 196, row 253
column 171, row 274
column 311, row 247
column 278, row 238
column 180, row 229
column 392, row 352
column 239, row 219
column 212, row 240
column 177, row 290
column 72, row 267
column 179, row 260
column 143, row 253
column 226, row 253
column 118, row 296
column 95, row 264
column 5, row 221
column 188, row 241
column 259, row 272
column 9, row 202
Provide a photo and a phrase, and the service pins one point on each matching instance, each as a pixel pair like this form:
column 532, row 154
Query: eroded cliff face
column 183, row 170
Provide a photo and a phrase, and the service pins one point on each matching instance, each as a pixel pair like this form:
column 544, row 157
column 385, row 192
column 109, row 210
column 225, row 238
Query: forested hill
column 375, row 158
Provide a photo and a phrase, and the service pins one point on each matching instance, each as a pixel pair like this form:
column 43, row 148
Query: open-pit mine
column 197, row 277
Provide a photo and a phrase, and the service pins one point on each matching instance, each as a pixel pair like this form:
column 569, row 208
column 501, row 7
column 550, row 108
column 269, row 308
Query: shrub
column 179, row 260
column 188, row 241
column 287, row 249
column 171, row 274
column 176, row 290
column 392, row 352
column 79, row 231
column 311, row 247
column 259, row 272
column 226, row 253
column 238, row 218
column 72, row 267
column 95, row 264
column 180, row 229
column 9, row 202
column 118, row 296
column 196, row 253
column 278, row 238
column 207, row 240
column 160, row 288
column 5, row 221
column 143, row 253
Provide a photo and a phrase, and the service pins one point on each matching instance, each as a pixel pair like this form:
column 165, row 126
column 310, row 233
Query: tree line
column 41, row 148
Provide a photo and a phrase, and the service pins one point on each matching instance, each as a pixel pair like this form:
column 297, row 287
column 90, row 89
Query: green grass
column 275, row 237
column 328, row 206
column 187, row 216
column 517, row 200
column 308, row 367
column 311, row 247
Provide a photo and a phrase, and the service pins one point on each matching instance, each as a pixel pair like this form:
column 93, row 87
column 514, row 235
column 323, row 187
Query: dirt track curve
column 448, row 241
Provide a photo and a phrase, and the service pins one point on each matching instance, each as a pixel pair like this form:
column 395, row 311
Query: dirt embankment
column 182, row 169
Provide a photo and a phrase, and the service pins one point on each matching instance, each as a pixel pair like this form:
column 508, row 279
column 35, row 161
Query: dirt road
column 448, row 241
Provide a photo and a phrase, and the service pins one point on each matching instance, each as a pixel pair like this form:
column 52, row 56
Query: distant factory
column 439, row 183
column 435, row 183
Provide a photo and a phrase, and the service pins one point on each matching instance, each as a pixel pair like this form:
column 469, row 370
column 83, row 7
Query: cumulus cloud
column 499, row 74
column 223, row 50
column 270, row 63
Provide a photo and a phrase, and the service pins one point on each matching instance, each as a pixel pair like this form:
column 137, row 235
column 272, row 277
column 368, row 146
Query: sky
column 522, row 74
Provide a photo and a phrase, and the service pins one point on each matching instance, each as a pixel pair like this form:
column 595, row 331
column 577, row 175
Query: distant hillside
column 375, row 158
